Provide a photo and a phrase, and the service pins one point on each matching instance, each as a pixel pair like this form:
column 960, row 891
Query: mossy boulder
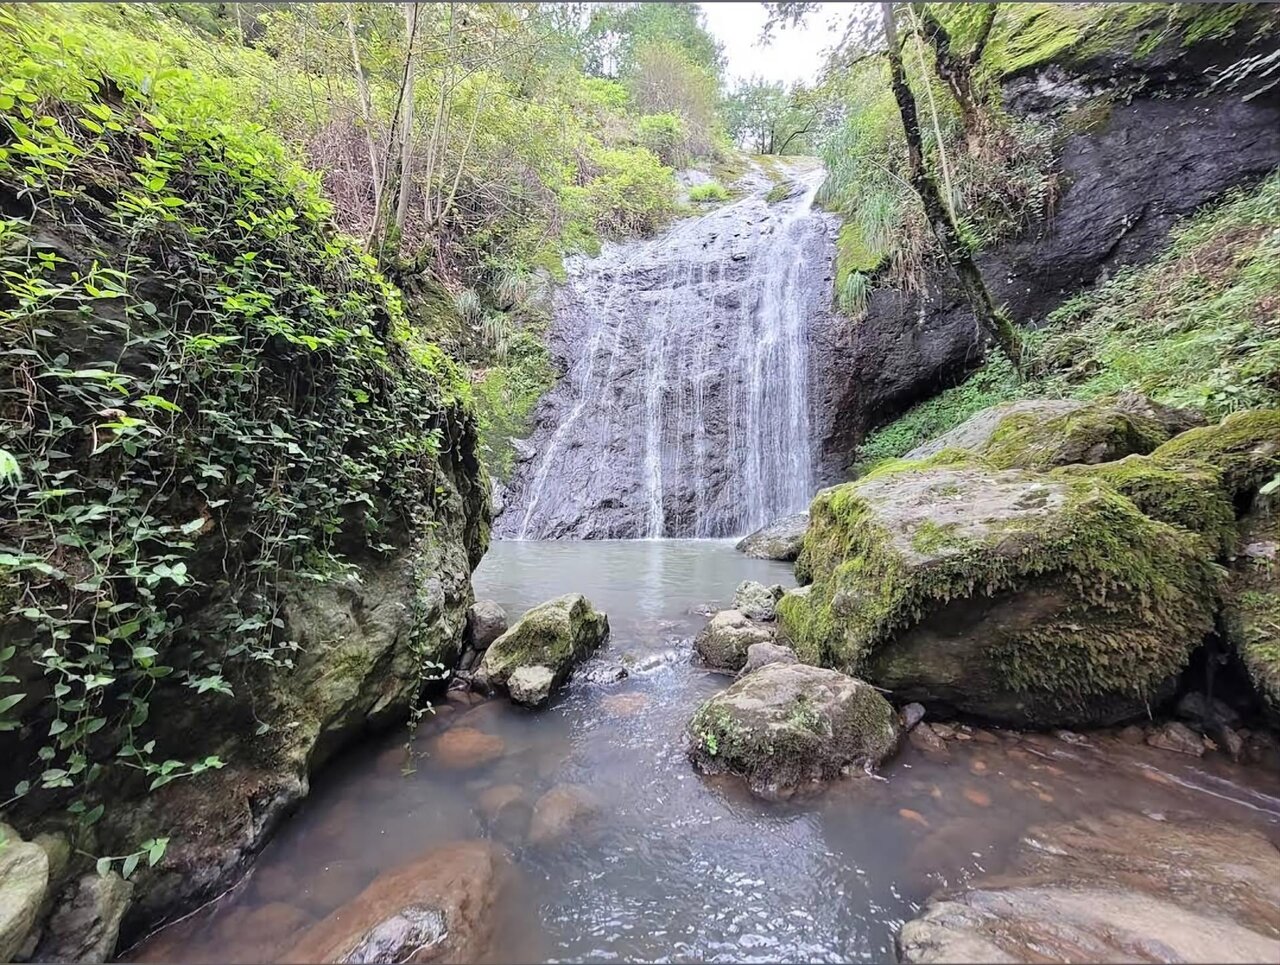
column 789, row 725
column 556, row 635
column 1244, row 447
column 1252, row 611
column 1043, row 433
column 1025, row 598
column 723, row 642
column 1187, row 493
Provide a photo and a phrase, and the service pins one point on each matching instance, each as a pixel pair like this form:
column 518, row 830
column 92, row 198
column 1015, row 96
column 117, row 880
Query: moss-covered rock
column 1023, row 597
column 557, row 635
column 1245, row 447
column 723, row 642
column 786, row 725
column 1097, row 431
column 1189, row 493
column 1252, row 611
column 778, row 540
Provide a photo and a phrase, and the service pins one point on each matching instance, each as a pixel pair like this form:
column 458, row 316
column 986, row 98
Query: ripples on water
column 678, row 867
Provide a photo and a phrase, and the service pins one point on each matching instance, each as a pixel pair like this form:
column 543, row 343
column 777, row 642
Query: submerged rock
column 786, row 725
column 1021, row 597
column 439, row 907
column 1121, row 887
column 780, row 540
column 1176, row 737
column 757, row 601
column 724, row 641
column 556, row 636
column 561, row 811
column 461, row 748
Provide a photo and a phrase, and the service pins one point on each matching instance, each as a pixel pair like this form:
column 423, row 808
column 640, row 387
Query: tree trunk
column 406, row 121
column 366, row 118
column 956, row 70
column 990, row 319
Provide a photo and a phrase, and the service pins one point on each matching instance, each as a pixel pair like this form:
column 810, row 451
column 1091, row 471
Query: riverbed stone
column 756, row 601
column 24, row 881
column 85, row 923
column 1023, row 598
column 439, row 907
column 911, row 714
column 1118, row 887
column 1177, row 737
column 762, row 654
column 462, row 748
column 724, row 641
column 927, row 740
column 556, row 635
column 788, row 725
column 780, row 540
column 560, row 812
column 486, row 621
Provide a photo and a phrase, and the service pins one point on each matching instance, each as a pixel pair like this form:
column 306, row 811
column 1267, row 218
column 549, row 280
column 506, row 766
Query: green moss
column 1252, row 613
column 1096, row 432
column 1145, row 585
column 779, row 192
column 1244, row 447
column 712, row 191
column 1189, row 494
column 506, row 396
column 555, row 634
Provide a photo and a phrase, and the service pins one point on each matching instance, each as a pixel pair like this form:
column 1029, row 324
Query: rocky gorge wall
column 1160, row 142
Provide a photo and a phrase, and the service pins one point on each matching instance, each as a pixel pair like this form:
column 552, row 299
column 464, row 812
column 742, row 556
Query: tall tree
column 956, row 67
column 993, row 321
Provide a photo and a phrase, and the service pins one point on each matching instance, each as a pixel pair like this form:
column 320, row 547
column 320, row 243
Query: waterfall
column 684, row 409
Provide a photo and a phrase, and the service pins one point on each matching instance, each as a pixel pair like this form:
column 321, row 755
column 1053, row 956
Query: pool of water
column 676, row 866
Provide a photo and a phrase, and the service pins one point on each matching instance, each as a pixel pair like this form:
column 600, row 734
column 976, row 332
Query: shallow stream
column 675, row 866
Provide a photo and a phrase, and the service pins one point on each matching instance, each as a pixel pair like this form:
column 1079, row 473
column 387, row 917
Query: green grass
column 711, row 192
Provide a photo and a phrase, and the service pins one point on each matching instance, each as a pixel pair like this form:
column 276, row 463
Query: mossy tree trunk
column 956, row 69
column 990, row 319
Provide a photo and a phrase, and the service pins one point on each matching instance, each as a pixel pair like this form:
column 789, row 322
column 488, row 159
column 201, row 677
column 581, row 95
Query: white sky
column 793, row 54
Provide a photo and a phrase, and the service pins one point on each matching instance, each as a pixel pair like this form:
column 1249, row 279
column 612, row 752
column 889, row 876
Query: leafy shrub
column 664, row 135
column 711, row 191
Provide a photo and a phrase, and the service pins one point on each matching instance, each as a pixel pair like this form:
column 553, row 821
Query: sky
column 793, row 54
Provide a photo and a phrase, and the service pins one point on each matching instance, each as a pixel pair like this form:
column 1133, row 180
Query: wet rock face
column 86, row 923
column 24, row 880
column 1113, row 888
column 486, row 621
column 439, row 907
column 790, row 725
column 1253, row 605
column 685, row 406
column 1112, row 213
column 781, row 539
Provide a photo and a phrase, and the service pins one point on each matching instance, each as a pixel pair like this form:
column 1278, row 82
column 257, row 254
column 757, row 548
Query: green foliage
column 207, row 389
column 505, row 396
column 664, row 135
column 994, row 383
column 711, row 191
column 1198, row 327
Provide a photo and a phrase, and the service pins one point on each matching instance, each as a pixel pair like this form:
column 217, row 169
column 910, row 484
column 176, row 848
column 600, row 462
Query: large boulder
column 440, row 907
column 1113, row 888
column 788, row 725
column 24, row 881
column 762, row 654
column 1043, row 433
column 723, row 642
column 780, row 540
column 1252, row 612
column 556, row 635
column 1025, row 598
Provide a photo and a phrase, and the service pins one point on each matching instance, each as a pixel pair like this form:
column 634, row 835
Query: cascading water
column 685, row 408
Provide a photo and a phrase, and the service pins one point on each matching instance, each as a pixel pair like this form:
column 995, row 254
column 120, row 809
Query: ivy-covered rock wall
column 240, row 501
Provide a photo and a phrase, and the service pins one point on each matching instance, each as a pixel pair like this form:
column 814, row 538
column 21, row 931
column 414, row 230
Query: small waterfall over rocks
column 685, row 409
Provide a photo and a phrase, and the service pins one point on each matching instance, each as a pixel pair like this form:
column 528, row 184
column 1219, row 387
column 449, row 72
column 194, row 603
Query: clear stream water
column 677, row 867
